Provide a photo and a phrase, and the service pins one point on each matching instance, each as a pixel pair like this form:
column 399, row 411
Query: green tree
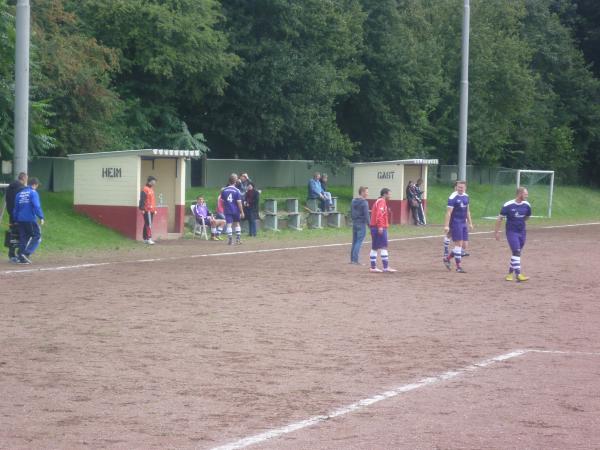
column 40, row 132
column 171, row 56
column 562, row 128
column 300, row 59
column 75, row 74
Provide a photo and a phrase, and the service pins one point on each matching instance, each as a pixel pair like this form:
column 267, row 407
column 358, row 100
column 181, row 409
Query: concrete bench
column 291, row 214
column 315, row 215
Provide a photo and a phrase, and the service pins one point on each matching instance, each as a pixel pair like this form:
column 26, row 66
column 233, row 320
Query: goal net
column 539, row 184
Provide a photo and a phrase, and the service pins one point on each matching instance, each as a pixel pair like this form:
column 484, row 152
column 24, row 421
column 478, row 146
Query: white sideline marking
column 246, row 252
column 276, row 432
column 572, row 225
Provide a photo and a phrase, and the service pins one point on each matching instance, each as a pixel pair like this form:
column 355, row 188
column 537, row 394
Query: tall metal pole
column 464, row 95
column 22, row 88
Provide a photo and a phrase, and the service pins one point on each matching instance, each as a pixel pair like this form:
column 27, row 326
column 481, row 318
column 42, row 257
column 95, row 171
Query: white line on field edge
column 246, row 252
column 276, row 432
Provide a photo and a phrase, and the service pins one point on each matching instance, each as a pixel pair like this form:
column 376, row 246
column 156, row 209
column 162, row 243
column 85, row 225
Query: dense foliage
column 333, row 80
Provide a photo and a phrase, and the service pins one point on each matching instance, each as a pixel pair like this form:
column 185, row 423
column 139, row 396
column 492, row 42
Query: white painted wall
column 393, row 176
column 92, row 188
column 378, row 176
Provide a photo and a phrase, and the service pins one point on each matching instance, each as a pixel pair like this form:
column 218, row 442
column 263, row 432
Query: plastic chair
column 199, row 228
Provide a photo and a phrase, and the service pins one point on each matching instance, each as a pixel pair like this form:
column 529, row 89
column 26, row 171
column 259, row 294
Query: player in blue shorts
column 447, row 240
column 457, row 222
column 516, row 212
column 380, row 222
column 233, row 209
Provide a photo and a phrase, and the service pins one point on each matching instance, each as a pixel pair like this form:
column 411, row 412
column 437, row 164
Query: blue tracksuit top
column 27, row 206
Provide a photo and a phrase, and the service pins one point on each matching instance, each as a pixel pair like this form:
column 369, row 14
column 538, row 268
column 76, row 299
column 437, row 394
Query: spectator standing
column 12, row 236
column 242, row 183
column 251, row 204
column 413, row 202
column 26, row 212
column 419, row 196
column 379, row 228
column 148, row 207
column 360, row 219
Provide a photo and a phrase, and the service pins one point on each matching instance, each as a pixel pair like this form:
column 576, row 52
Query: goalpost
column 535, row 180
column 539, row 183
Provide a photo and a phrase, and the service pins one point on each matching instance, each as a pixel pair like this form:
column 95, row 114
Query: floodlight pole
column 464, row 96
column 22, row 88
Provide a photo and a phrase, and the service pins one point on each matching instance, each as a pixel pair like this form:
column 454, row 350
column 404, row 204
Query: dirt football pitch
column 195, row 345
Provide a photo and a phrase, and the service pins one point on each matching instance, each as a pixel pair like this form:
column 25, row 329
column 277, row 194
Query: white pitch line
column 361, row 404
column 366, row 402
column 572, row 225
column 246, row 252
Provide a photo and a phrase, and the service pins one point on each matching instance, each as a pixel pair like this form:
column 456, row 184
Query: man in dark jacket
column 12, row 235
column 360, row 220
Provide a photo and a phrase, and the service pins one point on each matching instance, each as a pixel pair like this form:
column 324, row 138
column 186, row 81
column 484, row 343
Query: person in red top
column 379, row 226
column 148, row 207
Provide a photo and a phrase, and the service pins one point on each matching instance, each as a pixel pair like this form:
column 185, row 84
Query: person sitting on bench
column 315, row 191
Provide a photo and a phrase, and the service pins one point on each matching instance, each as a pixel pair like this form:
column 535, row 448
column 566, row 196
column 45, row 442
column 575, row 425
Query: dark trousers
column 147, row 231
column 11, row 240
column 30, row 237
column 415, row 213
column 251, row 216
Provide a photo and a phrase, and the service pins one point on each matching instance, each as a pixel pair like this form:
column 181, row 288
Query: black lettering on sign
column 386, row 175
column 111, row 172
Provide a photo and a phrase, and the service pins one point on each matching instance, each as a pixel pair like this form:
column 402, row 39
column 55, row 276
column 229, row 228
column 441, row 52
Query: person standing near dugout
column 148, row 207
column 458, row 222
column 26, row 212
column 379, row 227
column 12, row 235
column 516, row 212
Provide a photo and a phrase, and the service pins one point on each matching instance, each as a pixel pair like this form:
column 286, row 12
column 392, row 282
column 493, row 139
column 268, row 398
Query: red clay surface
column 196, row 352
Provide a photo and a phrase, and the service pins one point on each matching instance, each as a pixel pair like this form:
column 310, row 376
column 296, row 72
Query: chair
column 198, row 228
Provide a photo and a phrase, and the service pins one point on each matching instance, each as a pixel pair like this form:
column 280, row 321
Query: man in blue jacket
column 315, row 190
column 26, row 211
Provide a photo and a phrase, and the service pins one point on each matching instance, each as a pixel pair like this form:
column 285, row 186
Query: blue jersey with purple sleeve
column 460, row 205
column 230, row 196
column 516, row 214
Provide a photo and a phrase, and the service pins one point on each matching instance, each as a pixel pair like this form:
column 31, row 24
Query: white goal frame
column 551, row 172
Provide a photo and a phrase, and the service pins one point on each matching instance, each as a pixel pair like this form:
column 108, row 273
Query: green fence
column 265, row 173
column 55, row 174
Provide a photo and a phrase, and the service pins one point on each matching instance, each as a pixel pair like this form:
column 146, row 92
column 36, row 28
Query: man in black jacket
column 11, row 239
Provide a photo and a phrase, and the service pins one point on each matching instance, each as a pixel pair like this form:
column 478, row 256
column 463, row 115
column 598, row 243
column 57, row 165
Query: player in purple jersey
column 516, row 212
column 457, row 222
column 447, row 240
column 234, row 211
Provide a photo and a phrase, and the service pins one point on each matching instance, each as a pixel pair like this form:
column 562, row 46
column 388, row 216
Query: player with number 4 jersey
column 233, row 209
